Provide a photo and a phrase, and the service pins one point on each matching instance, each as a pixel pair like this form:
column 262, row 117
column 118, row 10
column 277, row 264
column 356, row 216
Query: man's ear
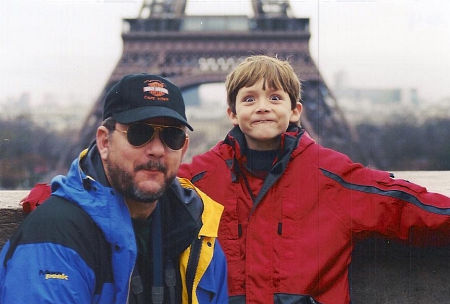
column 296, row 113
column 103, row 142
column 185, row 148
column 232, row 117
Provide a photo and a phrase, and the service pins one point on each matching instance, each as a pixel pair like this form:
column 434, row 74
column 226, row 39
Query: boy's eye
column 248, row 99
column 275, row 97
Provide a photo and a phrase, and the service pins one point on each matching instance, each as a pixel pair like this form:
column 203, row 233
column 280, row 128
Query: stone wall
column 11, row 214
column 9, row 221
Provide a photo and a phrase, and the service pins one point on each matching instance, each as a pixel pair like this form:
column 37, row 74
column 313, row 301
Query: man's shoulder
column 62, row 222
column 57, row 211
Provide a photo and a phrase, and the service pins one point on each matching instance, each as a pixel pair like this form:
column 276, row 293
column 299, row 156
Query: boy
column 292, row 207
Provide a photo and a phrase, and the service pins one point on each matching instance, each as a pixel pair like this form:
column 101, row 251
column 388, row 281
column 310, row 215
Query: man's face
column 141, row 173
column 263, row 113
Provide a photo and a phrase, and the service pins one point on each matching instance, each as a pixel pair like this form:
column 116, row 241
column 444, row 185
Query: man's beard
column 122, row 181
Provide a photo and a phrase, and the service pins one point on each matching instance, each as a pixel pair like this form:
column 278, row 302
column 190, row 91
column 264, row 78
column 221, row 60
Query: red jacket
column 295, row 237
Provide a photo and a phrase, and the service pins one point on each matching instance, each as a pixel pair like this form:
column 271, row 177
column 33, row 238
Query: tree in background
column 405, row 145
column 28, row 153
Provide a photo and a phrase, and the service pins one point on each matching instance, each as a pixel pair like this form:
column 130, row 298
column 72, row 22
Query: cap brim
column 143, row 113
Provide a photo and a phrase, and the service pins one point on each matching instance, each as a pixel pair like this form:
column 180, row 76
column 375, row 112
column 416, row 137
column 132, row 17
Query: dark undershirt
column 259, row 163
column 143, row 234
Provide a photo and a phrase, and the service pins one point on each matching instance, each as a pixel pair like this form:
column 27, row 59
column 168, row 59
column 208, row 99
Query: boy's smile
column 263, row 121
column 263, row 114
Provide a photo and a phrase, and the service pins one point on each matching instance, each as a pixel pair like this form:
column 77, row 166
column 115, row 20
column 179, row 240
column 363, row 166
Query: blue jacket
column 55, row 256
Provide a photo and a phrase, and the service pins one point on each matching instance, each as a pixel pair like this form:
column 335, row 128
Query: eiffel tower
column 193, row 50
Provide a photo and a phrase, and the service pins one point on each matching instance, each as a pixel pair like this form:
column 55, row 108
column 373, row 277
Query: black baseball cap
column 139, row 97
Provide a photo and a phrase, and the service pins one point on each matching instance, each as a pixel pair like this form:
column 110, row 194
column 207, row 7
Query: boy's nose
column 263, row 106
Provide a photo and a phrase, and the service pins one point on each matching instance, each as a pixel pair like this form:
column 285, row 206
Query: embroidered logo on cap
column 155, row 90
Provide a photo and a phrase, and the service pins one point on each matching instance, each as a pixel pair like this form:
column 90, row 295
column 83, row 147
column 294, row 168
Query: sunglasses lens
column 174, row 138
column 139, row 134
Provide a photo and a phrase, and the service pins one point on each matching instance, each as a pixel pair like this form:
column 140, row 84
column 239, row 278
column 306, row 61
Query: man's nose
column 155, row 147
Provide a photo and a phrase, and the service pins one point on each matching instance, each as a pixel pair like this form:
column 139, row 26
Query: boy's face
column 263, row 114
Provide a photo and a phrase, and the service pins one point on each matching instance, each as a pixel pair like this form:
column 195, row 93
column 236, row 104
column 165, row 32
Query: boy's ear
column 232, row 117
column 296, row 113
column 102, row 141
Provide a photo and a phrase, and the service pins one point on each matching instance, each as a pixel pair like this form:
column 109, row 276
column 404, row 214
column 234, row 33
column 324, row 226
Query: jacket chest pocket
column 228, row 228
column 296, row 214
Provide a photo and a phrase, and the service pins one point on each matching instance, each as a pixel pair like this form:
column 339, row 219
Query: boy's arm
column 376, row 202
column 37, row 195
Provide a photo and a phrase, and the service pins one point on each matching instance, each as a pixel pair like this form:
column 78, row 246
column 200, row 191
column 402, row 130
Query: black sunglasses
column 139, row 134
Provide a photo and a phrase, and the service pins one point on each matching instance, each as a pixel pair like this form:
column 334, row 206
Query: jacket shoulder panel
column 205, row 162
column 59, row 221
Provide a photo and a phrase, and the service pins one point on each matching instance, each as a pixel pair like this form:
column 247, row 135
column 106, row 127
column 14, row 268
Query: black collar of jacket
column 181, row 208
column 289, row 141
column 181, row 213
column 92, row 165
column 290, row 138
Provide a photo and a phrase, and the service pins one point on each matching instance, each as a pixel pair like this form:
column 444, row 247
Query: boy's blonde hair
column 277, row 74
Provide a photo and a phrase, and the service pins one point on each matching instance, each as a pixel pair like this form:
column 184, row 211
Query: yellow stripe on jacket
column 212, row 211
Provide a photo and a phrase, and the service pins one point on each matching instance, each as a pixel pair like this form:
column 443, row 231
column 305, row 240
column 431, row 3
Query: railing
column 434, row 181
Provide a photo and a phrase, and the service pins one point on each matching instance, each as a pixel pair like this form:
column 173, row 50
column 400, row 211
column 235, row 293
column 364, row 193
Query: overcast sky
column 69, row 48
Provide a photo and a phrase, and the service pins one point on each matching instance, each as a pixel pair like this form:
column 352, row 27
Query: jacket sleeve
column 213, row 286
column 184, row 171
column 37, row 195
column 45, row 273
column 375, row 202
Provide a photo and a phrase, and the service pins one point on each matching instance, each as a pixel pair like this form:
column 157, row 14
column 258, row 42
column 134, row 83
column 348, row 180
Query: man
column 120, row 228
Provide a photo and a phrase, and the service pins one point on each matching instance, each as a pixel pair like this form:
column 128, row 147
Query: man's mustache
column 151, row 165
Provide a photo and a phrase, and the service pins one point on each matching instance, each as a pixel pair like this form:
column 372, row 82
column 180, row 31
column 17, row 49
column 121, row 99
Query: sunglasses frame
column 156, row 129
